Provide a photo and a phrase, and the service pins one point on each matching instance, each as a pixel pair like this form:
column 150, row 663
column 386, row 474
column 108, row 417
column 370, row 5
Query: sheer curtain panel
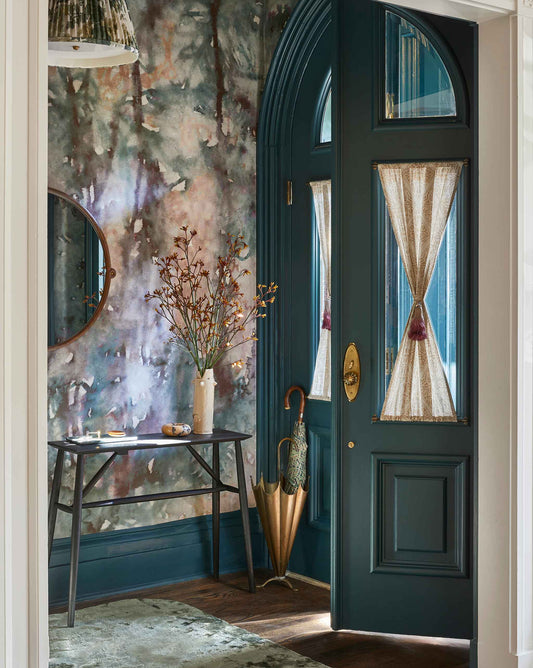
column 419, row 198
column 321, row 386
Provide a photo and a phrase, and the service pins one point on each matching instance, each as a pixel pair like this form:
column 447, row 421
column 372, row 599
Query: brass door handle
column 351, row 372
column 350, row 378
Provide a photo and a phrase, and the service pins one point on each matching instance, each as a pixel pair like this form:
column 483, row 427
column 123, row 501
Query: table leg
column 245, row 515
column 54, row 498
column 216, row 514
column 75, row 538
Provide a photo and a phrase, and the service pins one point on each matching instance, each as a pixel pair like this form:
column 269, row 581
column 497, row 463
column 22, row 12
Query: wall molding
column 478, row 11
column 522, row 485
column 505, row 583
column 525, row 660
column 116, row 562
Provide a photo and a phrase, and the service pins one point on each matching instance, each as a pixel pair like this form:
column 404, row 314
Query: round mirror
column 79, row 269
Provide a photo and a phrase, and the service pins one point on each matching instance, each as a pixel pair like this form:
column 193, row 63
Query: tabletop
column 151, row 441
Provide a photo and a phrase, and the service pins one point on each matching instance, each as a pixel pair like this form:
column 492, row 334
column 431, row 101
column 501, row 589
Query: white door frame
column 23, row 335
column 505, row 513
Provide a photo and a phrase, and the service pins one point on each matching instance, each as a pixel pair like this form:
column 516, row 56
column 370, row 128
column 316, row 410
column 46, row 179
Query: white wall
column 497, row 225
column 506, row 342
column 23, row 98
column 524, row 432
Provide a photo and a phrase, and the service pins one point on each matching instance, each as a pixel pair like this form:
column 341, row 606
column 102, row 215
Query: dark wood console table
column 146, row 442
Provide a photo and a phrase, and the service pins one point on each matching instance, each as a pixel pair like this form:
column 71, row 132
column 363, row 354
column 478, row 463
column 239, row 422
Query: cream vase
column 204, row 402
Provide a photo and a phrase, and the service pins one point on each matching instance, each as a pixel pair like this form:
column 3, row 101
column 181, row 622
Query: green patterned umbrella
column 296, row 473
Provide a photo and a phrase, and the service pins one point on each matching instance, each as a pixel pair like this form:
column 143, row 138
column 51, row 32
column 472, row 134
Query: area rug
column 149, row 633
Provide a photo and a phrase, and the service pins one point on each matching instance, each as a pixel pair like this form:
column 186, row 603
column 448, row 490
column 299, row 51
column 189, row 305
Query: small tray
column 103, row 440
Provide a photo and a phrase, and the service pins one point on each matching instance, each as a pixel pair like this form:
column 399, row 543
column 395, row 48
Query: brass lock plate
column 352, row 372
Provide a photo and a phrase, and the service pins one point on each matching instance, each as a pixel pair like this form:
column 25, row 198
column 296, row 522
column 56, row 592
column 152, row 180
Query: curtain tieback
column 326, row 316
column 417, row 329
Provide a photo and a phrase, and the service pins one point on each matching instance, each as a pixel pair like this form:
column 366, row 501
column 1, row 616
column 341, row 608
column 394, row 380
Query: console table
column 146, row 442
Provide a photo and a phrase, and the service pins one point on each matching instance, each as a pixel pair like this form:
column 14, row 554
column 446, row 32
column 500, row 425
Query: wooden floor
column 300, row 621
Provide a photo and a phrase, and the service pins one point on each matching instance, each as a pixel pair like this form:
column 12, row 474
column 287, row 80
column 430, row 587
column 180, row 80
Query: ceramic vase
column 204, row 402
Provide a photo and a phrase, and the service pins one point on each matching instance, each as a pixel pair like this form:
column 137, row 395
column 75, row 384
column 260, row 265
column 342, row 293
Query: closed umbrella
column 296, row 472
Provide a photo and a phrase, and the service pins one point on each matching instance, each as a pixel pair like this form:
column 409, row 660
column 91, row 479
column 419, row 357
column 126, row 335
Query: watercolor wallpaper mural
column 167, row 141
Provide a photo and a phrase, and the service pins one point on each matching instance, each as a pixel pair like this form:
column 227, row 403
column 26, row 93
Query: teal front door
column 403, row 262
column 310, row 152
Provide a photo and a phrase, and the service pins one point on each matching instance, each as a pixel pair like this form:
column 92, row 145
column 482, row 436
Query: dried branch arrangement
column 205, row 310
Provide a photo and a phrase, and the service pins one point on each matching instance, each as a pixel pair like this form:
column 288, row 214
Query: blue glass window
column 417, row 83
column 325, row 127
column 441, row 299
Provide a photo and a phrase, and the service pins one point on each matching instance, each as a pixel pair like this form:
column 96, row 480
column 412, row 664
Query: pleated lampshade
column 90, row 33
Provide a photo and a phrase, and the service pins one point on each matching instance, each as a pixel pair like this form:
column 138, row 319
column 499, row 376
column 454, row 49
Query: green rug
column 149, row 633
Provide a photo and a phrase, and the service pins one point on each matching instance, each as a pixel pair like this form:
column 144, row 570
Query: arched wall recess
column 307, row 24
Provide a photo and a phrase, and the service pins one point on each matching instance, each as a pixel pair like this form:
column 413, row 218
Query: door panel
column 404, row 524
column 319, row 510
column 420, row 538
column 309, row 162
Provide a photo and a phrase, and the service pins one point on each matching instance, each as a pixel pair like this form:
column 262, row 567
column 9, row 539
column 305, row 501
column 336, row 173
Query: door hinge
column 289, row 193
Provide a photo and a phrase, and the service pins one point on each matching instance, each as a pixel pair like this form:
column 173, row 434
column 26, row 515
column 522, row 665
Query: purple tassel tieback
column 326, row 320
column 417, row 330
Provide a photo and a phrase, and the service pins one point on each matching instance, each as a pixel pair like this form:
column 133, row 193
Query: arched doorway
column 294, row 149
column 403, row 484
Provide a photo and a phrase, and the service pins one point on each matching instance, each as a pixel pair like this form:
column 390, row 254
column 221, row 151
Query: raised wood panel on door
column 420, row 515
column 319, row 500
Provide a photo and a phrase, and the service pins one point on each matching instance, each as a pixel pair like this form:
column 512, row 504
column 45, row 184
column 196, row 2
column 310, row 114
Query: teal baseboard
column 116, row 562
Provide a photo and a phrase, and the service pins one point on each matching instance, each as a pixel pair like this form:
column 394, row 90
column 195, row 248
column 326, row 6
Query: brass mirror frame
column 109, row 271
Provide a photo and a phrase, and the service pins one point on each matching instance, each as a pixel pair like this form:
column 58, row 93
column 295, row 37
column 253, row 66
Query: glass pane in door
column 417, row 83
column 325, row 128
column 441, row 299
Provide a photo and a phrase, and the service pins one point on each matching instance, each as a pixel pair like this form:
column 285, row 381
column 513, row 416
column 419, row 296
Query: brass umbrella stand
column 280, row 504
